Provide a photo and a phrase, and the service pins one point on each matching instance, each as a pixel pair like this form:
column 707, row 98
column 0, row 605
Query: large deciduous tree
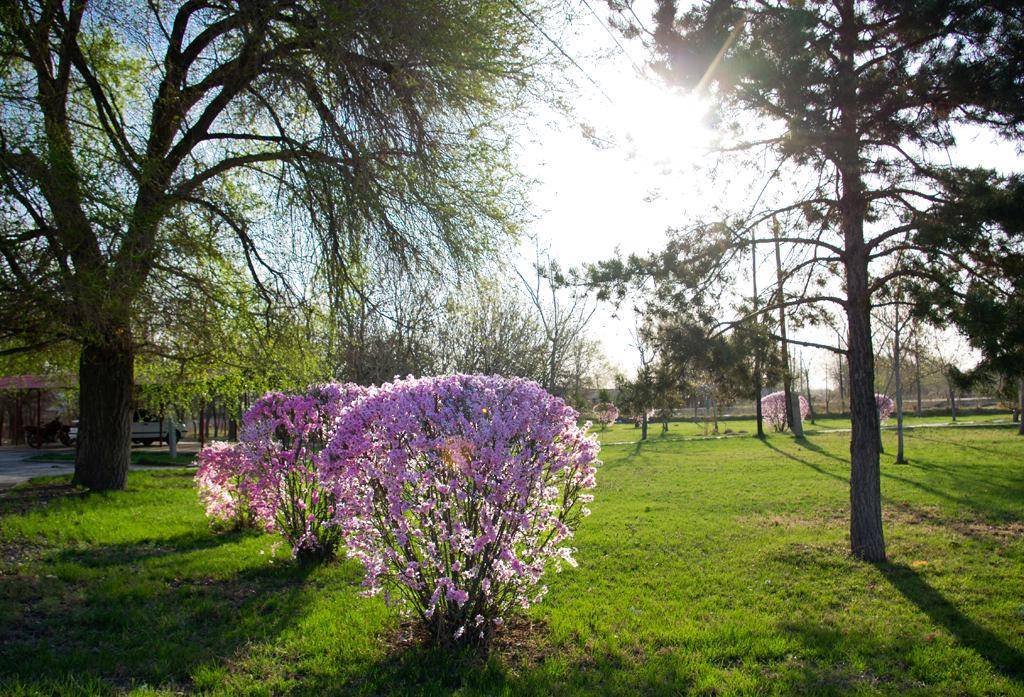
column 297, row 125
column 849, row 103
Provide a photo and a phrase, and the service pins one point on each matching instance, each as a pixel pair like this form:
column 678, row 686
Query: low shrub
column 272, row 475
column 458, row 493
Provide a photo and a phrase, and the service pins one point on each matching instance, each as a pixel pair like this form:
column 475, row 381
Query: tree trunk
column 105, row 379
column 17, row 421
column 952, row 399
column 757, row 349
column 1020, row 407
column 843, row 404
column 917, row 378
column 897, row 360
column 866, row 538
column 202, row 423
column 807, row 389
column 787, row 377
column 643, row 427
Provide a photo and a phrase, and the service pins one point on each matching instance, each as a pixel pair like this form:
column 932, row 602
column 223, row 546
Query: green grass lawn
column 138, row 457
column 622, row 432
column 708, row 566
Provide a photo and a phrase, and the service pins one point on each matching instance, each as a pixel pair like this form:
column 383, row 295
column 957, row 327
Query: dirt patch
column 898, row 514
column 902, row 513
column 13, row 554
column 22, row 499
column 818, row 518
column 520, row 642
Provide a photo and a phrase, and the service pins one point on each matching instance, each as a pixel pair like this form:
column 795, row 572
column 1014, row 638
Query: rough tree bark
column 866, row 539
column 105, row 377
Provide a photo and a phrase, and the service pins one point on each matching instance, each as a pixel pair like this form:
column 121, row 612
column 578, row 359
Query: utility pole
column 842, row 379
column 897, row 359
column 757, row 349
column 917, row 371
column 806, row 373
column 787, row 377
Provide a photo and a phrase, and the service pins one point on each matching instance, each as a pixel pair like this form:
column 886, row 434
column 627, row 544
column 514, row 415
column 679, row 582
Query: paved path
column 15, row 466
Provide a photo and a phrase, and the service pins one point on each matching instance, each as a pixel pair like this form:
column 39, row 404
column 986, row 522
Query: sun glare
column 663, row 124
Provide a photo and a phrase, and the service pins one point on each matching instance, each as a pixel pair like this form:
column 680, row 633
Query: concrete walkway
column 15, row 466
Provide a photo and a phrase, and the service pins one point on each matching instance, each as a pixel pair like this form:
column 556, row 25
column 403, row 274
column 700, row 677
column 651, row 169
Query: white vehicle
column 145, row 429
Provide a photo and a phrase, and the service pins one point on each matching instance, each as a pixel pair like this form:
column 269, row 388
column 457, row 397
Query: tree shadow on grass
column 807, row 463
column 136, row 551
column 523, row 662
column 21, row 499
column 923, row 435
column 126, row 618
column 808, row 444
column 1005, row 659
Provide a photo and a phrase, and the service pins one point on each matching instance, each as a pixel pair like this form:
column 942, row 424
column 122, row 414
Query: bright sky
column 645, row 171
column 636, row 175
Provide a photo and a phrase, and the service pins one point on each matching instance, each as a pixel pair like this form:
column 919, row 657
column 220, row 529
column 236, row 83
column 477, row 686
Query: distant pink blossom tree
column 773, row 409
column 606, row 413
column 885, row 405
column 458, row 493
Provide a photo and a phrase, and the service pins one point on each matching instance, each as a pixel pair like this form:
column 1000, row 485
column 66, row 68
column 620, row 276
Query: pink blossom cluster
column 457, row 493
column 225, row 484
column 773, row 409
column 606, row 413
column 886, row 406
column 273, row 472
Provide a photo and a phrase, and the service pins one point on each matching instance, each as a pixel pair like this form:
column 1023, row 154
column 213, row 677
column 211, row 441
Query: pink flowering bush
column 271, row 478
column 606, row 413
column 282, row 436
column 773, row 409
column 226, row 485
column 885, row 406
column 457, row 493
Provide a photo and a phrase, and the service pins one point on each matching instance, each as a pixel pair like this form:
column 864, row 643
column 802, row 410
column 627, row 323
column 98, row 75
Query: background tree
column 297, row 124
column 563, row 315
column 847, row 101
column 972, row 276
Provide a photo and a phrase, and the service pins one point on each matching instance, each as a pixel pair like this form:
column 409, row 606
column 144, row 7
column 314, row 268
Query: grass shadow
column 124, row 618
column 136, row 551
column 523, row 661
column 1005, row 659
column 22, row 498
column 921, row 434
column 808, row 444
column 807, row 463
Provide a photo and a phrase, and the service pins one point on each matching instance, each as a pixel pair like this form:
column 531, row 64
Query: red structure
column 27, row 400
